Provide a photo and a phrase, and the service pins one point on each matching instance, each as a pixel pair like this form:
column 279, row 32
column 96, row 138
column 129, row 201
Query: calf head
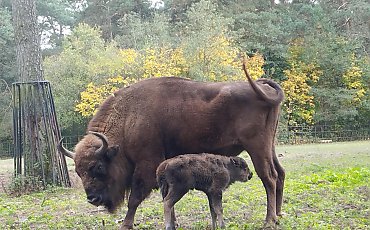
column 239, row 169
column 96, row 164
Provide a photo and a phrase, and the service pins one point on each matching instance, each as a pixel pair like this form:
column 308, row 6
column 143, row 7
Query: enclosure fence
column 303, row 134
column 286, row 135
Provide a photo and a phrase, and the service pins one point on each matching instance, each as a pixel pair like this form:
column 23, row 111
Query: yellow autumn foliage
column 299, row 102
column 128, row 60
column 353, row 80
column 222, row 64
column 93, row 95
column 163, row 62
column 254, row 66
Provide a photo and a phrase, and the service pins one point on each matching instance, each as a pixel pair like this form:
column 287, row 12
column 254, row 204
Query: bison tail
column 274, row 99
column 163, row 185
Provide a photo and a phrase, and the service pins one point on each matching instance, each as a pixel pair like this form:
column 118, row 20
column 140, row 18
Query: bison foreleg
column 173, row 216
column 143, row 182
column 217, row 207
column 212, row 210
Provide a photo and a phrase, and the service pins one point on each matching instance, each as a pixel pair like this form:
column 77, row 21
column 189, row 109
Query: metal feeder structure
column 36, row 134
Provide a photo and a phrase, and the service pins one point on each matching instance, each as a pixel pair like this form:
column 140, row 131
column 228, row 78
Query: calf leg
column 173, row 216
column 215, row 204
column 175, row 193
column 279, row 184
column 213, row 213
column 142, row 184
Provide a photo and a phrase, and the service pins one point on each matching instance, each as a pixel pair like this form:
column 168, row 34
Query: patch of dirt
column 75, row 179
column 365, row 192
column 5, row 179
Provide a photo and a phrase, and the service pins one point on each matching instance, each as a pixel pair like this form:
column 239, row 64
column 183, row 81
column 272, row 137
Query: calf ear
column 112, row 152
column 234, row 161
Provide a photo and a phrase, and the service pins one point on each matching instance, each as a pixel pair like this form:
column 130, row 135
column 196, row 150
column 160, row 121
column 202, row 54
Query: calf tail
column 163, row 186
column 161, row 180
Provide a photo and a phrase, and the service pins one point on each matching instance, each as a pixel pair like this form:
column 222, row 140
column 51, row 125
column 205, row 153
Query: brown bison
column 140, row 126
column 209, row 173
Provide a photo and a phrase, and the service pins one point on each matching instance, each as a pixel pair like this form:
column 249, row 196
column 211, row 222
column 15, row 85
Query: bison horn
column 104, row 146
column 65, row 151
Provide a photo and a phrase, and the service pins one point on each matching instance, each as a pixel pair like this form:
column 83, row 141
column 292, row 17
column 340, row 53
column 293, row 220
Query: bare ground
column 7, row 170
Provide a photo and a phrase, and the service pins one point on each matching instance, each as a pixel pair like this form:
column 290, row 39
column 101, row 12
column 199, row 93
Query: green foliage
column 210, row 34
column 211, row 57
column 7, row 72
column 107, row 14
column 85, row 58
column 207, row 43
column 7, row 46
column 5, row 111
column 155, row 63
column 57, row 16
column 137, row 33
column 299, row 102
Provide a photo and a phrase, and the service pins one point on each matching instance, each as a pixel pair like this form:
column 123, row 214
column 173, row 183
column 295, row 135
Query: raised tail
column 273, row 99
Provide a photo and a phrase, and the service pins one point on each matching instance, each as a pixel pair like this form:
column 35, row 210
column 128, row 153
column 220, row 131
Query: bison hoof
column 126, row 227
column 281, row 214
column 270, row 225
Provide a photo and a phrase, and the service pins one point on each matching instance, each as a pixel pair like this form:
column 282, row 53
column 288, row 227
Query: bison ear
column 112, row 152
column 234, row 161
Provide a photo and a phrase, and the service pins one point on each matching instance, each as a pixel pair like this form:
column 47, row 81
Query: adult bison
column 140, row 126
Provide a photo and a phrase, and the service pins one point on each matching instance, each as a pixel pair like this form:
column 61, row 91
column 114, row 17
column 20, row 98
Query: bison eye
column 99, row 170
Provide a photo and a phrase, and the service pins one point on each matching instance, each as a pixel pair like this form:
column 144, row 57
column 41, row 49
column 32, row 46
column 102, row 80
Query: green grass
column 327, row 187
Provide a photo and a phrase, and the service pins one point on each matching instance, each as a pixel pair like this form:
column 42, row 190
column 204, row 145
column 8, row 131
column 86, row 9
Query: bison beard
column 140, row 126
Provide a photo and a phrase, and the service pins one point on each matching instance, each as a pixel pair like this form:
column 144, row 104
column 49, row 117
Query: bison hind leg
column 279, row 184
column 175, row 193
column 262, row 155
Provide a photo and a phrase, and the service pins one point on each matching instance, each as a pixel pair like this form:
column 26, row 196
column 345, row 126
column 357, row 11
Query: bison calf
column 205, row 172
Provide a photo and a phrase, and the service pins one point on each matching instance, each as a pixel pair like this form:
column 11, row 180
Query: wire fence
column 321, row 134
column 285, row 135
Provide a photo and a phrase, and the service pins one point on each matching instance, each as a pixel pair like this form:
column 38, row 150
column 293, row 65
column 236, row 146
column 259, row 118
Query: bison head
column 101, row 170
column 240, row 169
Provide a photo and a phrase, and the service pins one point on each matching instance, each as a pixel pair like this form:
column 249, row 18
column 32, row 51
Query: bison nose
column 250, row 176
column 94, row 199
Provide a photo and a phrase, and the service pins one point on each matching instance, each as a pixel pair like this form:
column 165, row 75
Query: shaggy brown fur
column 159, row 118
column 209, row 173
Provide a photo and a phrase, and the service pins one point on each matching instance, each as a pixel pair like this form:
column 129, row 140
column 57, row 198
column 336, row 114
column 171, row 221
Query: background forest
column 317, row 50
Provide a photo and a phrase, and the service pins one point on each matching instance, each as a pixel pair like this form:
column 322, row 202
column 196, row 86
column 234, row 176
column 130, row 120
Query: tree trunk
column 36, row 130
column 27, row 40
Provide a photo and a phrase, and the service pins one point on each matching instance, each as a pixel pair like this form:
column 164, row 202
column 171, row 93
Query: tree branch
column 342, row 6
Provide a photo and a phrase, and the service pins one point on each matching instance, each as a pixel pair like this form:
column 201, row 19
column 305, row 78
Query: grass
column 327, row 187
